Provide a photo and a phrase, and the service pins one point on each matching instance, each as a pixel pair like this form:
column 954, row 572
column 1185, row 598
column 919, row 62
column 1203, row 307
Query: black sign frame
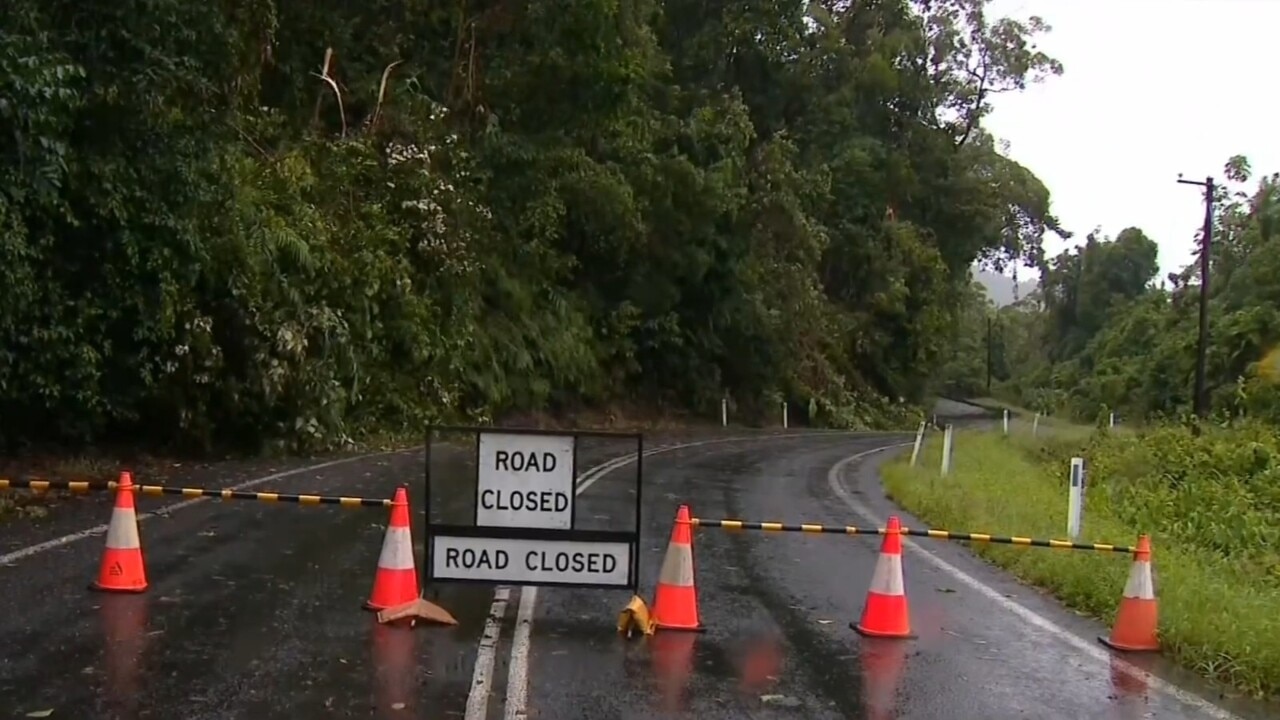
column 443, row 530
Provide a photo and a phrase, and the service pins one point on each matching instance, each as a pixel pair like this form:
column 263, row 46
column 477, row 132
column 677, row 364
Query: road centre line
column 515, row 707
column 482, row 677
column 1092, row 651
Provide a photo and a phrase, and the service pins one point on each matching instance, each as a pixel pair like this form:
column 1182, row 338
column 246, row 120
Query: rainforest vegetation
column 297, row 223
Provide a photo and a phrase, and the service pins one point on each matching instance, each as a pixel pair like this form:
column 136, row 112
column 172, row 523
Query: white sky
column 1151, row 88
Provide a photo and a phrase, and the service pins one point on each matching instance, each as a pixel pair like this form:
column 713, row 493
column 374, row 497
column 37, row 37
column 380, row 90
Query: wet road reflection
column 123, row 620
column 254, row 613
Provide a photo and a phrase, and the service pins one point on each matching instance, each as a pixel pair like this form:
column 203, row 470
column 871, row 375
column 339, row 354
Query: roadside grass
column 1219, row 614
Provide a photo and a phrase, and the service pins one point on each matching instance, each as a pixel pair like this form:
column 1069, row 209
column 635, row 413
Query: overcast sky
column 1151, row 88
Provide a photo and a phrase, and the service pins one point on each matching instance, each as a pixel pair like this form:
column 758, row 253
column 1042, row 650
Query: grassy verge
column 1219, row 600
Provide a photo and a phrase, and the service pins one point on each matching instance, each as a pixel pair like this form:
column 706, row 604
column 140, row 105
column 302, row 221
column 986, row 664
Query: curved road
column 253, row 612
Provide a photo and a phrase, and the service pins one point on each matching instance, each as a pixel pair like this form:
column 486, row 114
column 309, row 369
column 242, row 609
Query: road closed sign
column 525, row 493
column 525, row 481
column 532, row 562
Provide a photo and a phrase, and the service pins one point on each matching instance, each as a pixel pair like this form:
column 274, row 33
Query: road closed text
column 525, row 481
column 531, row 561
column 560, row 561
column 542, row 501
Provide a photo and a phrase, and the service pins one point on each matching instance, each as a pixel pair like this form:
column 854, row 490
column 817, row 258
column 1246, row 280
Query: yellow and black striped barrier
column 190, row 492
column 79, row 486
column 929, row 533
column 783, row 527
column 1016, row 540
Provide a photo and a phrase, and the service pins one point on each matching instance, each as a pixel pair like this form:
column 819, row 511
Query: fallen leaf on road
column 397, row 706
column 40, row 713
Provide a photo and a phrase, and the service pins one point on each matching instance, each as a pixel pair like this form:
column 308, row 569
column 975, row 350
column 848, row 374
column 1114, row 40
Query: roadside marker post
column 1035, row 425
column 915, row 449
column 525, row 530
column 947, row 443
column 784, row 414
column 1075, row 498
column 724, row 412
column 1006, row 421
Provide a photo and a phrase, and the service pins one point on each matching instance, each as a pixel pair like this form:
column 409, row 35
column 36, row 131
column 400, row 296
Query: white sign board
column 525, row 481
column 534, row 562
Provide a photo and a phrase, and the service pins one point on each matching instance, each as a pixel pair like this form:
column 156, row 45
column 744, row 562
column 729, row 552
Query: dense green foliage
column 297, row 222
column 1209, row 503
column 1101, row 333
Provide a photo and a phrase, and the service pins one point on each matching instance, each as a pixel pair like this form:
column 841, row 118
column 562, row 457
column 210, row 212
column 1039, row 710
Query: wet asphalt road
column 254, row 612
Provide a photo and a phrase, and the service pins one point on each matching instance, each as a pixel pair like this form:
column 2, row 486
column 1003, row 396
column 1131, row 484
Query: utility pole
column 1201, row 400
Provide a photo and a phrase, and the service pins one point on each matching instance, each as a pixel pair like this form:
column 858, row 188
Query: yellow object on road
column 635, row 616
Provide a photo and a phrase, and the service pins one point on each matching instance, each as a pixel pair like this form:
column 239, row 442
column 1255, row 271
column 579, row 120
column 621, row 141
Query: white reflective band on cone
column 1139, row 584
column 122, row 533
column 887, row 579
column 677, row 566
column 397, row 550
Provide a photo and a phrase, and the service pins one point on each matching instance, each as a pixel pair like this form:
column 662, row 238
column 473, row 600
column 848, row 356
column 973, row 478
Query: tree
column 1110, row 337
column 294, row 224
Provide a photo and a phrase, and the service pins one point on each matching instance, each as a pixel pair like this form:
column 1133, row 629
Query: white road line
column 482, row 679
column 521, row 643
column 518, row 674
column 1092, row 651
column 16, row 555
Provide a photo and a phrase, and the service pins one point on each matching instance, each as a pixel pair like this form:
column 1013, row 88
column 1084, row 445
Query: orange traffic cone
column 396, row 581
column 1136, row 621
column 122, row 569
column 885, row 614
column 675, row 603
